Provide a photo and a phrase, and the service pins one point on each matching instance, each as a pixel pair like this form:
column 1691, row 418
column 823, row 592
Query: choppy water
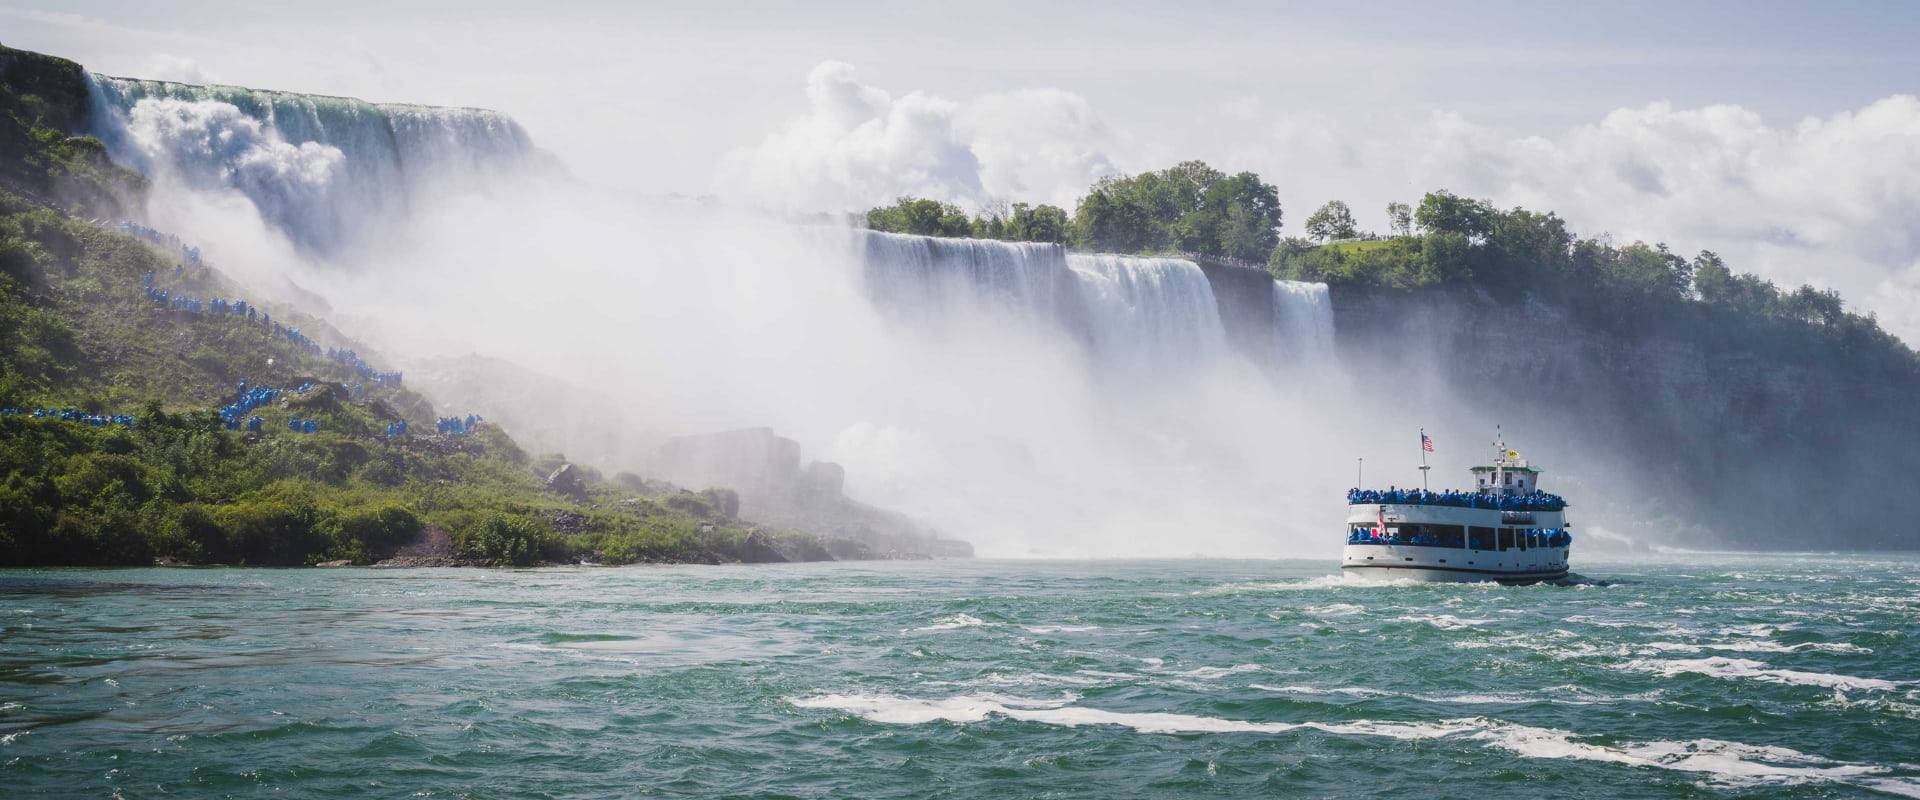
column 1788, row 676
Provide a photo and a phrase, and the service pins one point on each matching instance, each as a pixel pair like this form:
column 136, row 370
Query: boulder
column 566, row 480
column 759, row 549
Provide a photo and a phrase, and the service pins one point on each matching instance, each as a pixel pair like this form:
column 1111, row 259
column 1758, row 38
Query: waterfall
column 924, row 273
column 1302, row 321
column 1158, row 311
column 1153, row 312
column 319, row 168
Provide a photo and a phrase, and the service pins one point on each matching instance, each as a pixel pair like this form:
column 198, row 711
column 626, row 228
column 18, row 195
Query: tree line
column 1187, row 208
column 1444, row 240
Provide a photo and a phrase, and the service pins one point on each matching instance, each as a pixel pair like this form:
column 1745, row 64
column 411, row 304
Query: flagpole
column 1423, row 459
column 1360, row 473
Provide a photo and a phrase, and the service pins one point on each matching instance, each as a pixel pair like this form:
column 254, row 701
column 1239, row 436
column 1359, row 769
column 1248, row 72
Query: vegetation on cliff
column 81, row 333
column 1518, row 253
column 1445, row 242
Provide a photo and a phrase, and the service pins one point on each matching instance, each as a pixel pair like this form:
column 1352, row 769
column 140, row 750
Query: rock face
column 566, row 480
column 1244, row 297
column 776, row 489
column 1673, row 430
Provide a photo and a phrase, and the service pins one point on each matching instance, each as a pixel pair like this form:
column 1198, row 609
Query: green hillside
column 112, row 450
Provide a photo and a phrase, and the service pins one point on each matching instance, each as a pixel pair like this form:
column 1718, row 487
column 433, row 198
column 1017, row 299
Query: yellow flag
column 1513, row 455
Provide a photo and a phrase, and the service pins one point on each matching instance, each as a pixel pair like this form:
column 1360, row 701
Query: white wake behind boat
column 1506, row 529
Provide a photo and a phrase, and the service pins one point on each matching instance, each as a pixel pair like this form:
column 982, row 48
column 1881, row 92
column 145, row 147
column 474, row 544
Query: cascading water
column 318, row 168
column 924, row 273
column 1159, row 311
column 1127, row 310
column 1302, row 321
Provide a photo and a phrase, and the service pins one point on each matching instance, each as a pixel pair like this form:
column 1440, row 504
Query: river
column 1696, row 676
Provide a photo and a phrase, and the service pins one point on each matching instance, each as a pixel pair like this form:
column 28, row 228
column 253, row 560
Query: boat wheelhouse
column 1506, row 529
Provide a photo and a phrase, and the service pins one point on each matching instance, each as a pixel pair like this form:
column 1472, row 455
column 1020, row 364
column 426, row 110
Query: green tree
column 1443, row 211
column 1400, row 219
column 1043, row 223
column 921, row 217
column 1244, row 215
column 1331, row 221
column 1712, row 281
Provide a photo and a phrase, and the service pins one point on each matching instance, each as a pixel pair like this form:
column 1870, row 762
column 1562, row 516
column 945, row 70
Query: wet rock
column 759, row 549
column 566, row 480
column 564, row 521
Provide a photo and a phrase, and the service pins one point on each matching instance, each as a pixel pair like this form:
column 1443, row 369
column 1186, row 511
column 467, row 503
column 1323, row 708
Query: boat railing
column 1537, row 501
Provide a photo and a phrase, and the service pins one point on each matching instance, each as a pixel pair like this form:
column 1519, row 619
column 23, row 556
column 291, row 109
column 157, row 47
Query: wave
column 954, row 622
column 1445, row 622
column 1060, row 628
column 1760, row 646
column 1722, row 667
column 1215, row 673
column 1469, row 698
column 1724, row 761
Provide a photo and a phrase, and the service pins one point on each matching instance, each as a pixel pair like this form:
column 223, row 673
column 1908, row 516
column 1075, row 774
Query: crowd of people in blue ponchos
column 1534, row 501
column 236, row 415
column 168, row 240
column 1449, row 536
column 73, row 415
column 458, row 425
column 249, row 399
column 196, row 305
column 353, row 361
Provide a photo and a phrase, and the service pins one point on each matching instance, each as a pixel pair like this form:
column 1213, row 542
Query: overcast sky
column 1786, row 136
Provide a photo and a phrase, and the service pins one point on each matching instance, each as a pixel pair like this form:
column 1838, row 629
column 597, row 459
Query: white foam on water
column 1060, row 628
column 1215, row 673
column 1445, row 622
column 1322, row 582
column 1725, row 762
column 1469, row 698
column 954, row 622
column 1741, row 668
column 1336, row 610
column 1758, row 646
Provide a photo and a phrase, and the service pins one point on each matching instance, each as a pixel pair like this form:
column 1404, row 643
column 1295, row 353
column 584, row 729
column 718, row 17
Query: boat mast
column 1423, row 459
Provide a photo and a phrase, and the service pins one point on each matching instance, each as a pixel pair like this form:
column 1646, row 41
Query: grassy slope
column 76, row 330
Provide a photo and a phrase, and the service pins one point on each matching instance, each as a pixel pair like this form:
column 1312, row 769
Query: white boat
column 1506, row 529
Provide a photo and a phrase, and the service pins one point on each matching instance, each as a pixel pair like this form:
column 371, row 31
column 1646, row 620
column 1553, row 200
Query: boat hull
column 1428, row 574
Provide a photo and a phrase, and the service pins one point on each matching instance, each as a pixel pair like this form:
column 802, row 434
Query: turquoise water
column 1758, row 676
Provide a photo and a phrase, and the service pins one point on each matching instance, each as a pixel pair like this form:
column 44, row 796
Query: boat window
column 1410, row 534
column 1506, row 538
column 1480, row 538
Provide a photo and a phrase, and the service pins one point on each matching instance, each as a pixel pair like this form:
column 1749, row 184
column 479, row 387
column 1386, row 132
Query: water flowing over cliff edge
column 1128, row 311
column 320, row 168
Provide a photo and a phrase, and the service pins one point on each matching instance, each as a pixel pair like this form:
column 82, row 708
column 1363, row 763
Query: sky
column 1785, row 136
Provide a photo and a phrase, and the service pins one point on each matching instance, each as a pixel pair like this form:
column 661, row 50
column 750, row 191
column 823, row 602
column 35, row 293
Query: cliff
column 1706, row 433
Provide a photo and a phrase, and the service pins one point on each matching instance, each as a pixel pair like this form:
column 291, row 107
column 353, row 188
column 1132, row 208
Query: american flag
column 1426, row 442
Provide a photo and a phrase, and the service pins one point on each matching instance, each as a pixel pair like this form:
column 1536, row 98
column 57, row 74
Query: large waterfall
column 1151, row 310
column 1127, row 309
column 319, row 168
column 1302, row 321
column 924, row 272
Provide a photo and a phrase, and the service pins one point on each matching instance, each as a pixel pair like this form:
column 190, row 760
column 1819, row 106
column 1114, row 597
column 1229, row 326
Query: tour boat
column 1506, row 529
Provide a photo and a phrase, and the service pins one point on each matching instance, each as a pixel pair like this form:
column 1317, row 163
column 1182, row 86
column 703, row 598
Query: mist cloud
column 857, row 146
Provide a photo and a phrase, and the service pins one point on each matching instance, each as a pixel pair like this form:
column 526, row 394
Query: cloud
column 1833, row 201
column 1829, row 200
column 169, row 67
column 857, row 146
